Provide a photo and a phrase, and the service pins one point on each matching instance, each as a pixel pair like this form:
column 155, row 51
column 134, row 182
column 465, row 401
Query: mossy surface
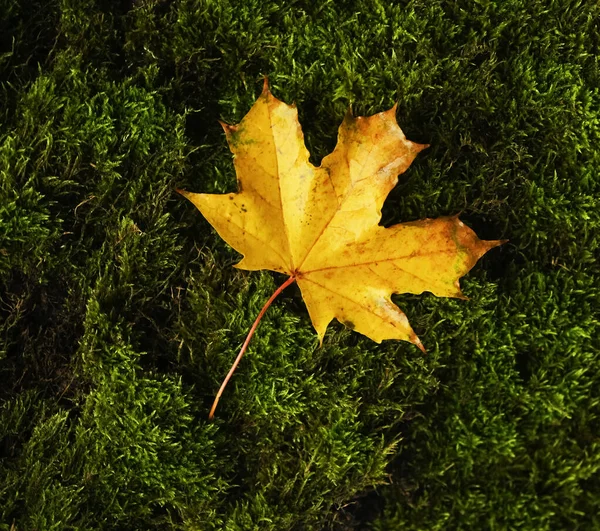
column 120, row 312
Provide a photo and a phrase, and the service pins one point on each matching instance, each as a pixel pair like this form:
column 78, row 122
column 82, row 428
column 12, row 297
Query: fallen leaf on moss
column 320, row 225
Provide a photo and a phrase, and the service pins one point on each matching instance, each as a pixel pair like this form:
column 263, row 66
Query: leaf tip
column 265, row 89
column 490, row 244
column 227, row 128
column 416, row 341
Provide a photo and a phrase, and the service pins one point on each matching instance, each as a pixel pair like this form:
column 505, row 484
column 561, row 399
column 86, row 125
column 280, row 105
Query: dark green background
column 120, row 312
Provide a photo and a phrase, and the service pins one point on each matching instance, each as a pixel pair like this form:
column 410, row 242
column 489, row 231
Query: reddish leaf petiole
column 245, row 345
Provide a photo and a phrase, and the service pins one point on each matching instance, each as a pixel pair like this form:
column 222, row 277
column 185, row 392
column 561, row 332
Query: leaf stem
column 245, row 345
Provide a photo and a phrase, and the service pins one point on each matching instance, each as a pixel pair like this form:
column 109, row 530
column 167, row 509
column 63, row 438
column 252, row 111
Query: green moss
column 120, row 312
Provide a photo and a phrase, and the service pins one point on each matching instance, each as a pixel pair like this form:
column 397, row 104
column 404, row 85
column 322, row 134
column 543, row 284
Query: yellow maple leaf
column 320, row 225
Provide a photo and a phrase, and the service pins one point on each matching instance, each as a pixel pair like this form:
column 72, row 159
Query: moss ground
column 120, row 312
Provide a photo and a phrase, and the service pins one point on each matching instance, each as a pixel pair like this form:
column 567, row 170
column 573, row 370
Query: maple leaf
column 320, row 225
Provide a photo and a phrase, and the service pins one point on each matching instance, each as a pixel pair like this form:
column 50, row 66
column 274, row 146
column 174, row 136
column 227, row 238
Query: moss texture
column 120, row 312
